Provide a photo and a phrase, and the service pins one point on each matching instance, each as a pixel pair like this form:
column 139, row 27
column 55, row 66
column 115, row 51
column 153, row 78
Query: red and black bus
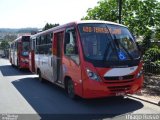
column 19, row 52
column 88, row 58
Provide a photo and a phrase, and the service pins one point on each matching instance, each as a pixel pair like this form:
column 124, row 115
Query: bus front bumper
column 24, row 65
column 94, row 89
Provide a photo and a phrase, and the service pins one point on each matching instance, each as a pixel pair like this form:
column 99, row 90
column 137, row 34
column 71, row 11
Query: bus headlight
column 140, row 73
column 92, row 75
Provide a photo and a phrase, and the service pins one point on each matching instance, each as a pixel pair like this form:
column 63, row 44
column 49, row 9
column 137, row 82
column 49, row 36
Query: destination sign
column 89, row 29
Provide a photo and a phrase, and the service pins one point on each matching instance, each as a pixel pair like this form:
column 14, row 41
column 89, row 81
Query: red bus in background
column 88, row 58
column 19, row 52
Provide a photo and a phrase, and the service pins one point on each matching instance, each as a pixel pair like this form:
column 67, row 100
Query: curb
column 145, row 100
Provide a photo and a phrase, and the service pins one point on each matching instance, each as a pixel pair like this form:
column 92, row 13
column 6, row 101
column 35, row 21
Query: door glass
column 70, row 45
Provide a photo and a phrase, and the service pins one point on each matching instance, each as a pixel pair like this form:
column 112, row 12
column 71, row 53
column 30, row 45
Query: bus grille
column 127, row 77
column 119, row 88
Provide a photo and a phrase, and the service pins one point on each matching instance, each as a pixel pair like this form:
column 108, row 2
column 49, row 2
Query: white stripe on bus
column 120, row 71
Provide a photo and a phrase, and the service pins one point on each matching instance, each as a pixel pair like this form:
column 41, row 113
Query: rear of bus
column 24, row 52
column 111, row 64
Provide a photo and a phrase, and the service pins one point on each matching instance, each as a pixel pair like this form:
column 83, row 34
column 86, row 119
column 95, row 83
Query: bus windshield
column 107, row 42
column 25, row 48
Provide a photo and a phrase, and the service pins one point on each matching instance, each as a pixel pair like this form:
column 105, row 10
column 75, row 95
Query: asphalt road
column 23, row 95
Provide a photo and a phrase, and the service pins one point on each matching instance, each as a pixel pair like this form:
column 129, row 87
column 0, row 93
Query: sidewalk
column 151, row 99
column 151, row 89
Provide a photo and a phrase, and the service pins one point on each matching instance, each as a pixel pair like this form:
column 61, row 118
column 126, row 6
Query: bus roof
column 75, row 22
column 98, row 21
column 20, row 37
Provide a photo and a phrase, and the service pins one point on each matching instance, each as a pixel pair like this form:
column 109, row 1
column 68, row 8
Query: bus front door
column 57, row 57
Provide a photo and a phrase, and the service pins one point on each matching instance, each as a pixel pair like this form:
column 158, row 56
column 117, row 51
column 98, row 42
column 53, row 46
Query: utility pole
column 120, row 10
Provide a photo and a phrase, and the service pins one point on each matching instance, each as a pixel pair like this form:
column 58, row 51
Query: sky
column 36, row 13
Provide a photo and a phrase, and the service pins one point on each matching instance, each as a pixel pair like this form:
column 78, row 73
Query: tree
column 157, row 34
column 105, row 10
column 146, row 43
column 138, row 15
column 4, row 45
column 48, row 26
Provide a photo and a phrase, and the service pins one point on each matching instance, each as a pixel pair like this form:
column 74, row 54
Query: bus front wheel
column 70, row 89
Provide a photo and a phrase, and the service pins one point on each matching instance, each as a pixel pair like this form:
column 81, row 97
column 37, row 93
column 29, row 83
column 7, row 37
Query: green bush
column 146, row 43
column 152, row 60
column 156, row 66
column 152, row 54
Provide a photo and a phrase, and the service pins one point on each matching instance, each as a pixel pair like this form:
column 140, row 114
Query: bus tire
column 40, row 76
column 70, row 89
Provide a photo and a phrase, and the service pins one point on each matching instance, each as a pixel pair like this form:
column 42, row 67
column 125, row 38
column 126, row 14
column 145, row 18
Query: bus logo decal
column 121, row 55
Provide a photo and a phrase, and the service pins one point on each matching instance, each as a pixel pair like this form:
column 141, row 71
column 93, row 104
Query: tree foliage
column 4, row 45
column 146, row 43
column 105, row 10
column 157, row 34
column 49, row 25
column 138, row 15
column 151, row 60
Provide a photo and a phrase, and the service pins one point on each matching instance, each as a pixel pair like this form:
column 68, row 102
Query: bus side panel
column 70, row 68
column 31, row 61
column 15, row 57
column 37, row 62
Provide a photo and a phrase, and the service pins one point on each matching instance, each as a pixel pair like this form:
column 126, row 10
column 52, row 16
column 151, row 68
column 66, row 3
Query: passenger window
column 43, row 40
column 48, row 45
column 49, row 38
column 44, row 45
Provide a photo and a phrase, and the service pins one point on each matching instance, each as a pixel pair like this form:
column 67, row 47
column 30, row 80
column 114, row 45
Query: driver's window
column 70, row 46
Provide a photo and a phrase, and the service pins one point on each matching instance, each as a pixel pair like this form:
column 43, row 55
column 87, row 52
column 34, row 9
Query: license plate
column 120, row 93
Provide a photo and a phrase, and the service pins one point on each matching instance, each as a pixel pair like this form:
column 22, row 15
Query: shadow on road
column 8, row 70
column 49, row 100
